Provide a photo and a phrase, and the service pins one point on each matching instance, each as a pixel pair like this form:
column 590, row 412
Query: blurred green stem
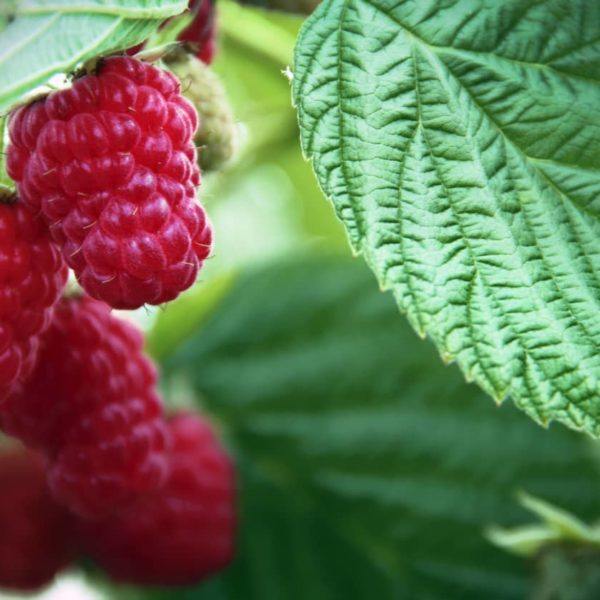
column 301, row 7
column 258, row 34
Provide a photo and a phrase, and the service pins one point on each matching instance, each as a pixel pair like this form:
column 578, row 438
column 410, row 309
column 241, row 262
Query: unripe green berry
column 217, row 136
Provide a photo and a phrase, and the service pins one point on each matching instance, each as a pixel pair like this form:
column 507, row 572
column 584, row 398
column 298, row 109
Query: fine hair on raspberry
column 111, row 164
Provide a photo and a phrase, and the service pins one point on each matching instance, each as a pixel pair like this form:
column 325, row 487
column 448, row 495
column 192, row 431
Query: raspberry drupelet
column 111, row 164
column 32, row 277
column 183, row 532
column 91, row 408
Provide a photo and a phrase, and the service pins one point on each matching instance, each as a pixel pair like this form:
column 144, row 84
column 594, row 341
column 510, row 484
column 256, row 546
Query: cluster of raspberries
column 106, row 174
column 177, row 534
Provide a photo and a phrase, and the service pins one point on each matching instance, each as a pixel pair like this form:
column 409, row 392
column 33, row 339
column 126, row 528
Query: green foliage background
column 366, row 466
column 367, row 469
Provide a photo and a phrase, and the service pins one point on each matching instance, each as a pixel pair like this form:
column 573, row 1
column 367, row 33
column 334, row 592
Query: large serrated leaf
column 460, row 144
column 362, row 456
column 50, row 37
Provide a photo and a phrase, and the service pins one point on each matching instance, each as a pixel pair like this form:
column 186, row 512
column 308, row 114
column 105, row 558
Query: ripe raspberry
column 182, row 533
column 91, row 407
column 217, row 136
column 201, row 33
column 36, row 534
column 112, row 165
column 32, row 277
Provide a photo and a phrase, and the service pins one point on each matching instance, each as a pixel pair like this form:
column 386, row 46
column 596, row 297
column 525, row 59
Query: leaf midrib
column 470, row 52
column 429, row 50
column 529, row 159
column 473, row 255
column 567, row 200
column 341, row 120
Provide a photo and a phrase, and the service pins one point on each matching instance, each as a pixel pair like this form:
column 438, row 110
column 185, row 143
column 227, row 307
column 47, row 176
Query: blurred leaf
column 270, row 184
column 261, row 34
column 283, row 560
column 177, row 320
column 362, row 458
column 563, row 522
column 458, row 141
column 526, row 540
column 53, row 37
column 557, row 526
column 254, row 49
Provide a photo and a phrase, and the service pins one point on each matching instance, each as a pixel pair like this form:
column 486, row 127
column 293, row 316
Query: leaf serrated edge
column 360, row 249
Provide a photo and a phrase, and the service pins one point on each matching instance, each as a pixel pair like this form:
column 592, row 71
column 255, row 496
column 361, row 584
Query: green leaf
column 460, row 144
column 51, row 37
column 360, row 455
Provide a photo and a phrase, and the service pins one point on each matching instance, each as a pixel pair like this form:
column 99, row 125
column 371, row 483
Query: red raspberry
column 202, row 31
column 32, row 277
column 91, row 407
column 36, row 534
column 182, row 533
column 112, row 165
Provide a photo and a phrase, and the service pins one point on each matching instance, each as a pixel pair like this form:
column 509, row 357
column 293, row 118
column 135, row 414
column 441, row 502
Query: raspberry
column 182, row 533
column 201, row 33
column 112, row 165
column 217, row 135
column 32, row 277
column 36, row 540
column 91, row 407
